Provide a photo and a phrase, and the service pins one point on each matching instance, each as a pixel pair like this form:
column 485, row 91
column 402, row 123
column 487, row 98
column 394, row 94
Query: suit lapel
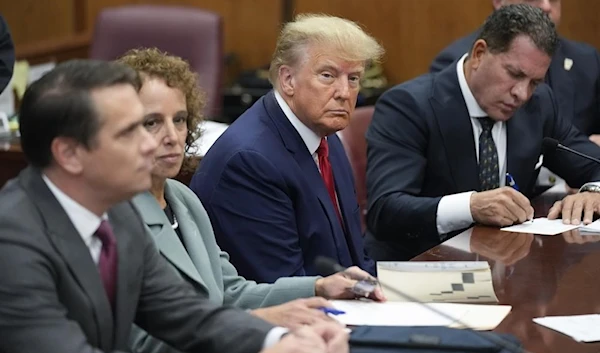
column 294, row 143
column 455, row 126
column 166, row 239
column 76, row 254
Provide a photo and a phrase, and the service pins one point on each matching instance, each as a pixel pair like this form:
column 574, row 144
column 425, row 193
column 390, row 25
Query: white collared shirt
column 85, row 222
column 310, row 138
column 454, row 211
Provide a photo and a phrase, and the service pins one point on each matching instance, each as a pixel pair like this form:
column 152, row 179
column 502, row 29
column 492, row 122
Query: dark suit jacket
column 7, row 55
column 577, row 90
column 420, row 147
column 267, row 201
column 52, row 298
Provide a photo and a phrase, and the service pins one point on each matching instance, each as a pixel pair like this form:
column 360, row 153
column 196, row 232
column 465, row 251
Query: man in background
column 573, row 75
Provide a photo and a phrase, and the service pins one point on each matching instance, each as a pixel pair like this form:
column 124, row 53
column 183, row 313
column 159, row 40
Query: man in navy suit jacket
column 426, row 176
column 574, row 73
column 276, row 199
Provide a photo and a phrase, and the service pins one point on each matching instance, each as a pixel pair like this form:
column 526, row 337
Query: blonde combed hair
column 346, row 38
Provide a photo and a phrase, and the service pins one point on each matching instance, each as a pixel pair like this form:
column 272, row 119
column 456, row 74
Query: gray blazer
column 204, row 265
column 52, row 298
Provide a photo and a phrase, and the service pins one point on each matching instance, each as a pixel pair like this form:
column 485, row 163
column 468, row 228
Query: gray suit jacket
column 52, row 298
column 204, row 265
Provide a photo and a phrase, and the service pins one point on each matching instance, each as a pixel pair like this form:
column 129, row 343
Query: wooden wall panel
column 412, row 31
column 251, row 26
column 36, row 20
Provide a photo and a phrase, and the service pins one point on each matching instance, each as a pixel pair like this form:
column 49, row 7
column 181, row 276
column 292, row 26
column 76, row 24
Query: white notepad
column 368, row 313
column 542, row 226
column 582, row 328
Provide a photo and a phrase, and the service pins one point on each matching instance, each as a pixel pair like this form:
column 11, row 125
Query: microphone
column 326, row 266
column 551, row 145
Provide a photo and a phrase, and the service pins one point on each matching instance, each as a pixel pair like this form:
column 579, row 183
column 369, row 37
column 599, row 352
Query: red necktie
column 108, row 260
column 327, row 175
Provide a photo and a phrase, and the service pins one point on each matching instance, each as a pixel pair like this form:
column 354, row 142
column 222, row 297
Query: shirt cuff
column 274, row 336
column 454, row 212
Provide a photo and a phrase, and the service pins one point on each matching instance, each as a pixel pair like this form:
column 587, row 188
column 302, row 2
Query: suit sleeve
column 32, row 317
column 170, row 310
column 397, row 141
column 254, row 219
column 239, row 291
column 7, row 55
column 574, row 169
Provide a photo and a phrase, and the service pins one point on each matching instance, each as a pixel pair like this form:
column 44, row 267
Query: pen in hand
column 510, row 181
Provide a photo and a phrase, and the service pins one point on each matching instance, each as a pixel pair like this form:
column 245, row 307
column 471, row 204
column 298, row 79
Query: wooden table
column 538, row 276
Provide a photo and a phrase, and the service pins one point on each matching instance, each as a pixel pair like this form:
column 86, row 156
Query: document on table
column 369, row 313
column 582, row 328
column 433, row 281
column 542, row 226
column 546, row 226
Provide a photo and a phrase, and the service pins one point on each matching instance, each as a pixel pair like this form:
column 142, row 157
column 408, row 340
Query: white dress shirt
column 454, row 211
column 85, row 222
column 310, row 138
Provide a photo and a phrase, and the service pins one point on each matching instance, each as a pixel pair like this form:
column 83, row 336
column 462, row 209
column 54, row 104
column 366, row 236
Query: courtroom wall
column 412, row 31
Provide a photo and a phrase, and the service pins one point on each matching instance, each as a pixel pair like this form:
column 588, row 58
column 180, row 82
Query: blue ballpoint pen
column 331, row 311
column 510, row 181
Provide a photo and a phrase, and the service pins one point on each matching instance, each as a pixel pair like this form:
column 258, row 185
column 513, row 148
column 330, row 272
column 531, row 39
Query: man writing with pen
column 464, row 145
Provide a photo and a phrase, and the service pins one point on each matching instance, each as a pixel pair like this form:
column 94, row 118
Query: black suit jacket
column 420, row 147
column 7, row 55
column 52, row 298
column 577, row 90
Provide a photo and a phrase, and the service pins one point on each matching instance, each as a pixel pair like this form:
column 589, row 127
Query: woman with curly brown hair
column 179, row 223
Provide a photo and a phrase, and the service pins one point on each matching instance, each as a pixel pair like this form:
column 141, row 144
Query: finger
column 588, row 213
column 316, row 302
column 515, row 212
column 555, row 210
column 338, row 343
column 520, row 199
column 577, row 210
column 378, row 295
column 567, row 207
column 355, row 272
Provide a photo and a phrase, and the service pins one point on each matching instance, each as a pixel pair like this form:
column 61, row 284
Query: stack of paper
column 546, row 226
column 582, row 328
column 474, row 316
column 444, row 281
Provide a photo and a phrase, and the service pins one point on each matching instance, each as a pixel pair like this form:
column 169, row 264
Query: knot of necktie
column 323, row 150
column 486, row 124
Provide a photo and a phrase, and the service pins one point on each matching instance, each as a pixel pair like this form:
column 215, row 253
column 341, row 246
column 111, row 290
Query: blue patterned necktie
column 488, row 157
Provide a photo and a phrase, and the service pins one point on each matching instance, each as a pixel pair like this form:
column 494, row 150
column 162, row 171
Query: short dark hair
column 508, row 22
column 59, row 104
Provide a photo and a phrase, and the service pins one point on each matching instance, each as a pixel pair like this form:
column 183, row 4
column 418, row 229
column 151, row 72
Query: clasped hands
column 505, row 206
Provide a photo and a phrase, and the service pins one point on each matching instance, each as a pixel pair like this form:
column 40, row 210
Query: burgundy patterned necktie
column 327, row 175
column 107, row 263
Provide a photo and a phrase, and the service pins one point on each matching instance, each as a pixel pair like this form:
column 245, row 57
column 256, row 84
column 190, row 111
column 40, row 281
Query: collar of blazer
column 164, row 236
column 76, row 254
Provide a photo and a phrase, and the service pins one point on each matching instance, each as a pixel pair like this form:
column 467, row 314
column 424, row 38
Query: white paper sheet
column 593, row 227
column 582, row 328
column 476, row 316
column 542, row 226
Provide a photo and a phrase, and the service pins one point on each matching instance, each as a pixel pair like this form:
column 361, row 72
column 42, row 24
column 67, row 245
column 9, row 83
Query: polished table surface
column 538, row 276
